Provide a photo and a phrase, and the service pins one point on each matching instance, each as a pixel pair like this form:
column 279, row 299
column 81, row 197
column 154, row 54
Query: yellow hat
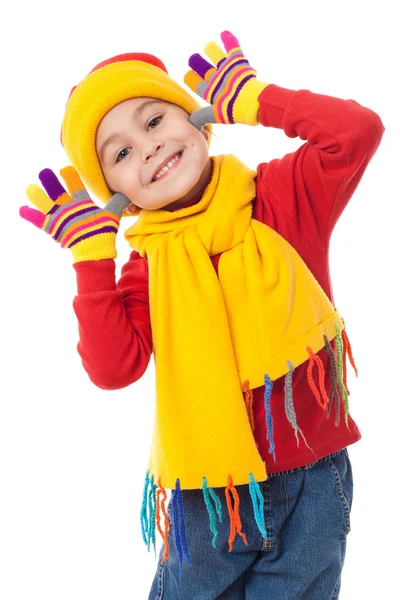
column 109, row 83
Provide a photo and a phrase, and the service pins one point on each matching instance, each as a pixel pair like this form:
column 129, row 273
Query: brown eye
column 154, row 122
column 121, row 155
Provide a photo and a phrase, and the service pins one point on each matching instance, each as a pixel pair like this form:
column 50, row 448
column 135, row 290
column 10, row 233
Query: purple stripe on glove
column 73, row 216
column 106, row 229
column 233, row 99
column 222, row 82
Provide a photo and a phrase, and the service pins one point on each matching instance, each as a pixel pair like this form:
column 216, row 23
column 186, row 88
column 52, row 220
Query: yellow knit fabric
column 98, row 93
column 211, row 333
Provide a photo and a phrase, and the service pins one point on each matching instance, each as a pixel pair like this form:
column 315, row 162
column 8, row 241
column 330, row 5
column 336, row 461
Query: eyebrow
column 136, row 115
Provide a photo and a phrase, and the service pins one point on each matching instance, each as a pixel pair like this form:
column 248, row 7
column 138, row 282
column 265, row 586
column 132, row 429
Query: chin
column 183, row 193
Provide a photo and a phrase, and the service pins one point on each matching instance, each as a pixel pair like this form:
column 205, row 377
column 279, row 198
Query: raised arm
column 114, row 330
column 312, row 185
column 115, row 340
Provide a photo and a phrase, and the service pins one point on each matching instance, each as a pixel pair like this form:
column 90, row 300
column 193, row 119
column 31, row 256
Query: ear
column 205, row 133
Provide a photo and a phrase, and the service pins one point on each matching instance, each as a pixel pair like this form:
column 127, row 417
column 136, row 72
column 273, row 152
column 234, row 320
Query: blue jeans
column 307, row 519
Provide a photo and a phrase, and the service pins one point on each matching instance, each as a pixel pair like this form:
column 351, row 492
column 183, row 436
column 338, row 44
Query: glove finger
column 203, row 116
column 195, row 83
column 215, row 53
column 53, row 187
column 39, row 198
column 117, row 204
column 201, row 66
column 230, row 41
column 74, row 183
column 32, row 215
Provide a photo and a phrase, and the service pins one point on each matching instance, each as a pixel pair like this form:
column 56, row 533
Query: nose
column 150, row 150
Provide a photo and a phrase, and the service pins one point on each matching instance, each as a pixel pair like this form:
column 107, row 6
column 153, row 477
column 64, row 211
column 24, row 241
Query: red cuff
column 95, row 276
column 274, row 101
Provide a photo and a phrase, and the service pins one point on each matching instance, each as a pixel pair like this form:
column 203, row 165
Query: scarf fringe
column 164, row 534
column 236, row 524
column 154, row 496
column 249, row 402
column 339, row 389
column 258, row 505
column 341, row 370
column 148, row 505
column 333, row 368
column 207, row 492
column 268, row 415
column 150, row 517
column 179, row 529
column 289, row 406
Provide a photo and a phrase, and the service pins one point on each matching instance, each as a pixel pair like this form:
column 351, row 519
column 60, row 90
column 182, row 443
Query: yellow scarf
column 261, row 315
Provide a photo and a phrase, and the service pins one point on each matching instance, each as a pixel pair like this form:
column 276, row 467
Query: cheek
column 203, row 152
column 199, row 144
column 125, row 180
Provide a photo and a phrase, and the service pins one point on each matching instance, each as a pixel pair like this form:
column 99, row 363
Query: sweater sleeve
column 115, row 340
column 312, row 185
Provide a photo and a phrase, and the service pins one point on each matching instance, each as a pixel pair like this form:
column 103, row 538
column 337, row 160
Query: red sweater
column 301, row 196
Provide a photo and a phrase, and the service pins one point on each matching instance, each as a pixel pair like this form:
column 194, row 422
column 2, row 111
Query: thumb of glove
column 117, row 204
column 202, row 116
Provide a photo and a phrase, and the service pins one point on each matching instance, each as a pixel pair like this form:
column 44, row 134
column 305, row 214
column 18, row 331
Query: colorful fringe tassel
column 315, row 359
column 289, row 406
column 268, row 415
column 236, row 523
column 149, row 521
column 338, row 377
column 333, row 372
column 179, row 525
column 164, row 534
column 248, row 398
column 152, row 501
column 343, row 390
column 207, row 492
column 258, row 505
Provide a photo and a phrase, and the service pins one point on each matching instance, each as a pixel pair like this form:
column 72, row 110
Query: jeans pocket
column 341, row 469
column 157, row 587
column 160, row 580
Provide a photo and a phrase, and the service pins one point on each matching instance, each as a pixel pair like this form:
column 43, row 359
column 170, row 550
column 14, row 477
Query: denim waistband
column 305, row 467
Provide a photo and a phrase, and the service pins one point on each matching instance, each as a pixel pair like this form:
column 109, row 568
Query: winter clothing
column 300, row 197
column 73, row 219
column 264, row 316
column 109, row 83
column 230, row 87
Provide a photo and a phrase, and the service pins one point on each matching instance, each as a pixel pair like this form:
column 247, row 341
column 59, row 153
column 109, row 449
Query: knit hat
column 110, row 82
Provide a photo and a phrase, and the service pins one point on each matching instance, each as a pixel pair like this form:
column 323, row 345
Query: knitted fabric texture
column 229, row 85
column 112, row 81
column 213, row 334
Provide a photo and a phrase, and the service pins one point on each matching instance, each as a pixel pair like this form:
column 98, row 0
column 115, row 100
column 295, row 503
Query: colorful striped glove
column 74, row 220
column 230, row 86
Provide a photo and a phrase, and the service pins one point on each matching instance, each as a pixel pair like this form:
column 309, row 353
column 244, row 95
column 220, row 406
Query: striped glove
column 74, row 220
column 230, row 87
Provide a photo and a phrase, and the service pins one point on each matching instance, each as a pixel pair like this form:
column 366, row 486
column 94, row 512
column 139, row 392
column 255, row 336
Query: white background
column 73, row 457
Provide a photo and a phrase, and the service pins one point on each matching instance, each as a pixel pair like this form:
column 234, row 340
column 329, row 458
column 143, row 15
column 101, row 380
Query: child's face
column 133, row 141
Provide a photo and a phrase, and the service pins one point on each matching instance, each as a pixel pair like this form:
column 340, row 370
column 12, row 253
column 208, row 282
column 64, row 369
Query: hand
column 230, row 87
column 74, row 220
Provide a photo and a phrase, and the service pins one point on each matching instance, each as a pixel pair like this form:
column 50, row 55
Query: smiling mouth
column 168, row 167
